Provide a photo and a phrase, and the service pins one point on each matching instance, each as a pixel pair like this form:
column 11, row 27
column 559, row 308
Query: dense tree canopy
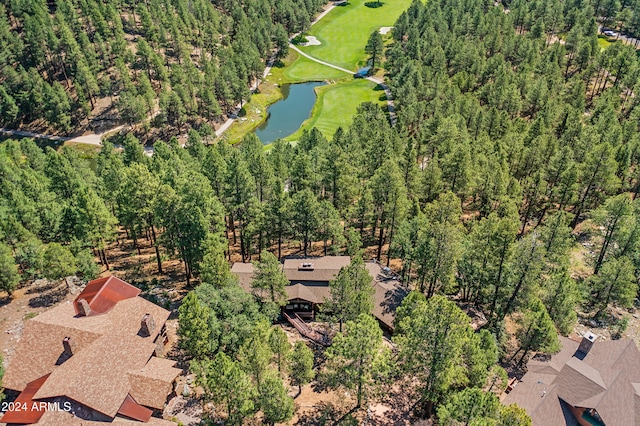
column 516, row 137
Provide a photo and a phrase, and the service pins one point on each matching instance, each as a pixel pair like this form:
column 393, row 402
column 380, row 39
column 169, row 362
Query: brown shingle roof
column 46, row 341
column 97, row 376
column 579, row 382
column 151, row 384
column 604, row 379
column 324, row 269
column 310, row 285
column 63, row 418
column 388, row 294
column 106, row 349
column 315, row 294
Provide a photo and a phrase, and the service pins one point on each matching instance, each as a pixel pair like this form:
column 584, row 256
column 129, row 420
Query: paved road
column 90, row 139
column 225, row 126
column 390, row 104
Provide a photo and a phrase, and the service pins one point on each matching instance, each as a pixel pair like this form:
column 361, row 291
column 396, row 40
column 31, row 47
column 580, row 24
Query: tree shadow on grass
column 374, row 4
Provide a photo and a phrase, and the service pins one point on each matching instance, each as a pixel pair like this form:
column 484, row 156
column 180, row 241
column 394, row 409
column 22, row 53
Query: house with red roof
column 96, row 360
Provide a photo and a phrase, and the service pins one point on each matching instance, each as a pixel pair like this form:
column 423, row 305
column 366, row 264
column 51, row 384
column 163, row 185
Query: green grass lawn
column 253, row 113
column 343, row 33
column 604, row 42
column 296, row 68
column 337, row 104
column 345, row 30
column 304, row 69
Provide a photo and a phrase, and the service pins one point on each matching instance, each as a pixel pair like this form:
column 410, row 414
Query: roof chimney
column 83, row 307
column 147, row 325
column 587, row 342
column 69, row 346
column 307, row 266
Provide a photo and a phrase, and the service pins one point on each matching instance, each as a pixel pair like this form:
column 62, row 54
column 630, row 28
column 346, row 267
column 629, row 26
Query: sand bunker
column 312, row 41
column 385, row 30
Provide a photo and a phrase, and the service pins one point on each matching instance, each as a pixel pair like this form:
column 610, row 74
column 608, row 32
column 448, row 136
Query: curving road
column 390, row 104
column 223, row 128
column 96, row 138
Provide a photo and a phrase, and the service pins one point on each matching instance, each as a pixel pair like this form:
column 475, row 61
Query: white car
column 610, row 33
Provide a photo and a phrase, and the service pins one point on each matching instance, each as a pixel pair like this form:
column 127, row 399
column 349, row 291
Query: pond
column 285, row 116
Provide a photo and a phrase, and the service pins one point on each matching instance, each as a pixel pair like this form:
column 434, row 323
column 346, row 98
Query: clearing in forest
column 337, row 104
column 344, row 32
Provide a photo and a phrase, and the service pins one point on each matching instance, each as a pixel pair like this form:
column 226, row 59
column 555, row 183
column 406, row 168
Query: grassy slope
column 343, row 33
column 304, row 69
column 337, row 104
column 254, row 112
column 345, row 30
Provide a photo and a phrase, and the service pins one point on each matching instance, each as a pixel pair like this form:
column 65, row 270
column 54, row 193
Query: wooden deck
column 304, row 329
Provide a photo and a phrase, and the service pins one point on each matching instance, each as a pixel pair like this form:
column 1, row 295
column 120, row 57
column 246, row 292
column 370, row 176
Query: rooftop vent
column 83, row 307
column 587, row 342
column 69, row 346
column 307, row 266
column 147, row 325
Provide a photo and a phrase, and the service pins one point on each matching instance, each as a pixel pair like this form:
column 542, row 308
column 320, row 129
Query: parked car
column 610, row 33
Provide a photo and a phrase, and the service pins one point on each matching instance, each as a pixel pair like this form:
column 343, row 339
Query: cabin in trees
column 586, row 383
column 309, row 285
column 94, row 360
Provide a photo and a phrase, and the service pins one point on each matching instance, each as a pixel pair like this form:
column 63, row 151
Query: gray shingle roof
column 312, row 285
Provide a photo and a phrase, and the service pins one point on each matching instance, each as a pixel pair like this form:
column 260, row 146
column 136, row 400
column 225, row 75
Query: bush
column 619, row 328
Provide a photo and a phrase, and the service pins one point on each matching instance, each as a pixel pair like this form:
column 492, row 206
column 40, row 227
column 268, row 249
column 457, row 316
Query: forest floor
column 167, row 290
column 314, row 403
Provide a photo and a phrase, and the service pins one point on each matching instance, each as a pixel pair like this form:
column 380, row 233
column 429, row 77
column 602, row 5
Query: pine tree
column 273, row 399
column 226, row 385
column 280, row 347
column 194, row 327
column 357, row 359
column 301, row 365
column 616, row 283
column 433, row 337
column 270, row 278
column 536, row 331
column 374, row 47
column 214, row 268
column 9, row 276
column 351, row 293
column 59, row 262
